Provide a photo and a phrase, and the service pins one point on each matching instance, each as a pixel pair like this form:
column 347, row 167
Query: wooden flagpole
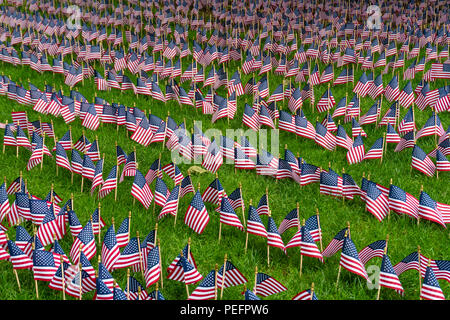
column 301, row 256
column 256, row 279
column 246, row 236
column 312, row 290
column 385, row 251
column 128, row 284
column 15, row 272
column 215, row 281
column 420, row 274
column 160, row 263
column 320, row 229
column 224, row 275
column 141, row 262
column 268, row 247
column 242, row 206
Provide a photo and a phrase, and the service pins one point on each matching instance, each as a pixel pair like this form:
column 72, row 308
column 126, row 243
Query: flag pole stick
column 385, row 251
column 187, row 288
column 301, row 256
column 160, row 264
column 268, row 247
column 312, row 290
column 246, row 236
column 128, row 284
column 15, row 273
column 215, row 281
column 35, row 281
column 63, row 278
column 320, row 229
column 224, row 274
column 256, row 279
column 242, row 201
column 420, row 275
column 141, row 262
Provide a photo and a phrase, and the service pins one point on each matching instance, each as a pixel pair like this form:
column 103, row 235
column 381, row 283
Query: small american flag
column 267, row 285
column 196, row 216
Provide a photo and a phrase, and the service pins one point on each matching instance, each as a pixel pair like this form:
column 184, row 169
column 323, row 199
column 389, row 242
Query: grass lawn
column 404, row 233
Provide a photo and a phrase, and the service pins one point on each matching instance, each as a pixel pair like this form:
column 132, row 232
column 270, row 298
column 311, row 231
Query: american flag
column 135, row 290
column 110, row 183
column 350, row 258
column 196, row 216
column 402, row 202
column 102, row 291
column 431, row 289
column 213, row 159
column 428, row 209
column 330, row 184
column 110, row 250
column 389, row 277
column 18, row 258
column 43, row 265
column 335, row 244
column 85, row 238
column 228, row 216
column 141, row 190
column 307, row 245
column 214, row 192
column 254, row 223
column 375, row 249
column 229, row 277
column 267, row 285
column 250, row 295
column 410, row 262
column 290, row 221
column 153, row 269
column 324, row 138
column 130, row 255
column 376, row 202
column 376, row 151
column 273, row 237
column 206, row 289
column 190, row 274
column 171, row 206
column 420, row 161
column 307, row 294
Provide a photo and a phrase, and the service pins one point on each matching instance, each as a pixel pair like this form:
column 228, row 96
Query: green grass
column 404, row 234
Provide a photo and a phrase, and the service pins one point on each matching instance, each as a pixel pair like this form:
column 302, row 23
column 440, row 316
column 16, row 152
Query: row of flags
column 28, row 252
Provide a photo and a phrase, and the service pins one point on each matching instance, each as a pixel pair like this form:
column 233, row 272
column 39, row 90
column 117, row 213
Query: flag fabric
column 254, row 223
column 153, row 270
column 229, row 276
column 375, row 249
column 85, row 238
column 350, row 259
column 428, row 209
column 273, row 237
column 110, row 250
column 307, row 245
column 376, row 202
column 206, row 289
column 43, row 265
column 141, row 190
column 228, row 216
column 388, row 276
column 196, row 216
column 420, row 161
column 402, row 202
column 267, row 285
column 431, row 289
column 410, row 262
column 289, row 221
column 357, row 152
